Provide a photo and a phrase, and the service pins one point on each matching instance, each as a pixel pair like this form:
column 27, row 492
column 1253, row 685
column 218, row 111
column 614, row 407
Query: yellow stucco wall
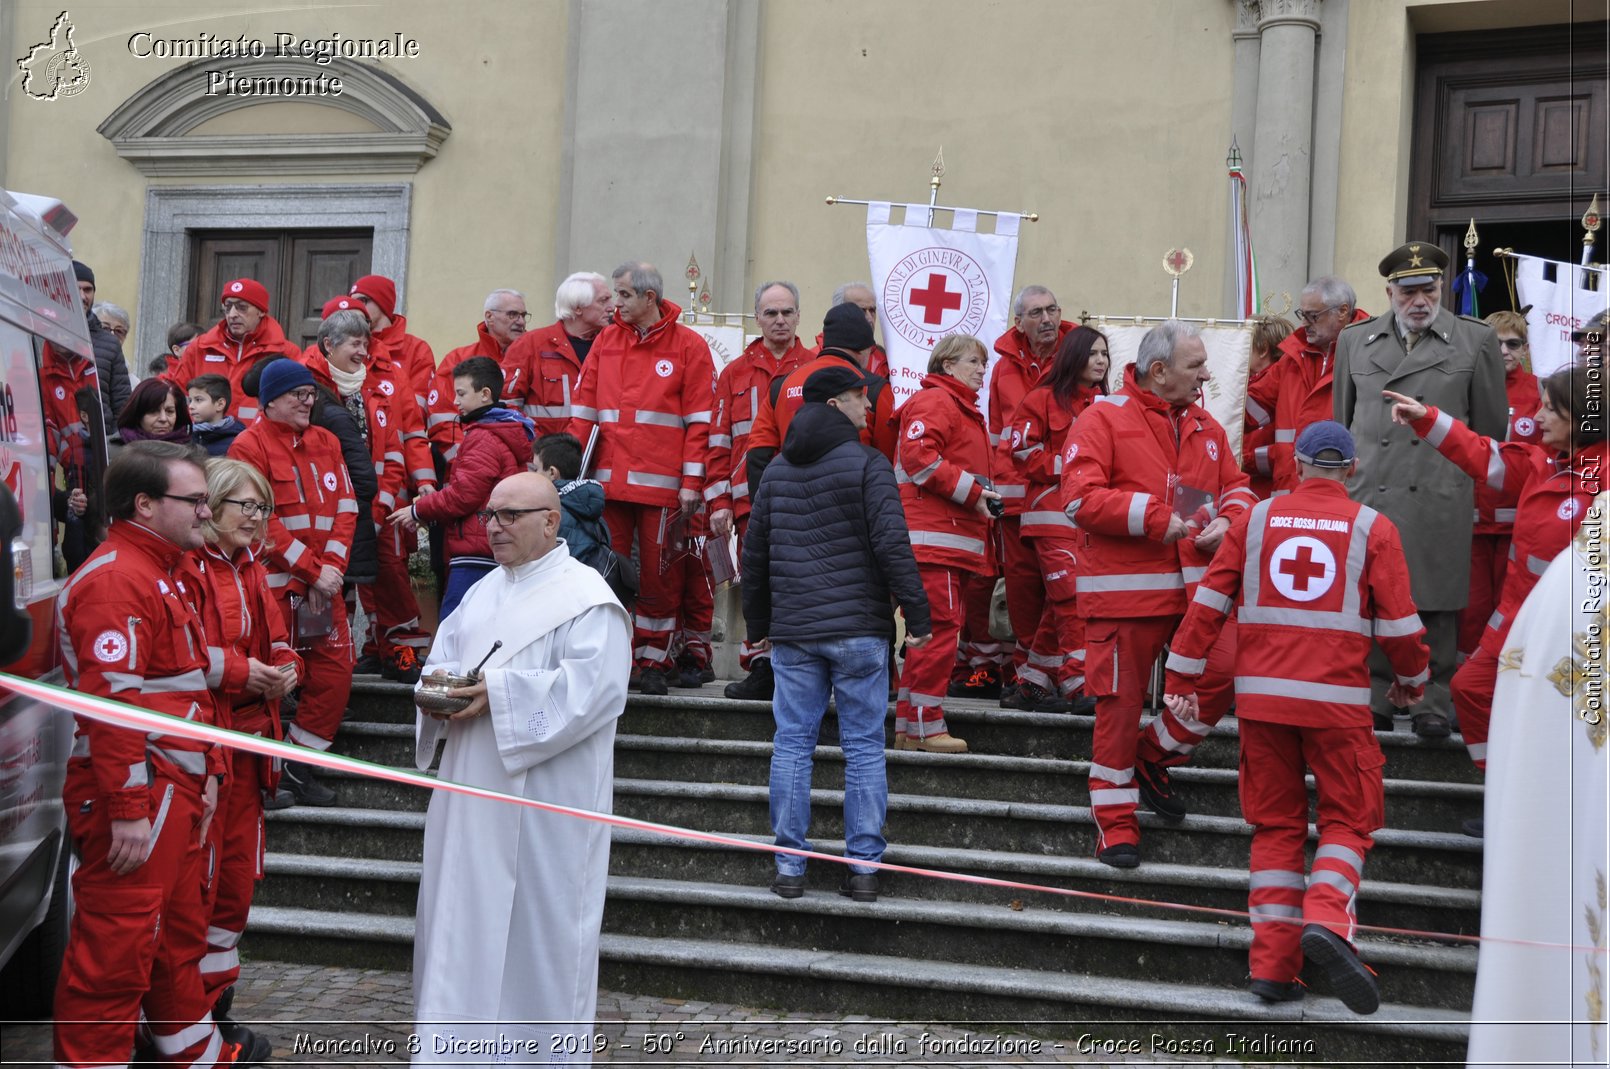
column 483, row 209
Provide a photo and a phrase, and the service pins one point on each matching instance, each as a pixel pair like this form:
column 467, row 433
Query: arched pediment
column 155, row 128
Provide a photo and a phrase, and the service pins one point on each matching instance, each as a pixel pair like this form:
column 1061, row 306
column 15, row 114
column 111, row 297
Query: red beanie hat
column 341, row 304
column 249, row 290
column 381, row 290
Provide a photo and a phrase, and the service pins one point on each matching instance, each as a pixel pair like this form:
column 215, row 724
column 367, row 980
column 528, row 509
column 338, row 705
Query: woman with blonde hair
column 942, row 463
column 251, row 667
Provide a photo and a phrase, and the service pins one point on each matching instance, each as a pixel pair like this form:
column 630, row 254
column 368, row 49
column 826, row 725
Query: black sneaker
column 250, row 1049
column 652, row 681
column 1083, row 705
column 302, row 782
column 1431, row 725
column 1157, row 792
column 1009, row 696
column 982, row 683
column 1122, row 856
column 707, row 675
column 402, row 665
column 1034, row 699
column 688, row 677
column 368, row 665
column 757, row 686
column 860, row 886
column 788, row 886
column 282, row 798
column 1275, row 991
column 1350, row 979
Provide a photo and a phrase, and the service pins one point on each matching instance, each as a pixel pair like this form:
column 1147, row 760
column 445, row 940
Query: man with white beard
column 512, row 899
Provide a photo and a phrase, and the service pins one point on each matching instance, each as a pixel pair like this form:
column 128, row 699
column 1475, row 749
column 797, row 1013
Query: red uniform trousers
column 697, row 608
column 976, row 648
column 1119, row 655
column 920, row 709
column 660, row 592
column 1346, row 763
column 326, row 678
column 1056, row 659
column 389, row 601
column 136, row 940
column 1472, row 689
column 1025, row 589
column 236, row 845
column 1489, row 560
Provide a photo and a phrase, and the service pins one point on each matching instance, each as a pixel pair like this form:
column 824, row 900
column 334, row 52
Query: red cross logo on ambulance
column 1302, row 568
column 110, row 647
column 1570, row 509
column 329, row 481
column 933, row 292
column 663, row 369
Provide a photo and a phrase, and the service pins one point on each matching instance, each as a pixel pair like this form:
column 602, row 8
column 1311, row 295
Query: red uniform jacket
column 128, row 631
column 385, row 444
column 777, row 407
column 1550, row 496
column 1493, row 516
column 1032, row 445
column 415, row 362
column 650, row 397
column 492, row 451
column 1124, row 457
column 1306, row 571
column 1255, row 444
column 216, row 353
column 442, row 421
column 394, row 384
column 547, row 371
column 1295, row 392
column 942, row 459
column 62, row 373
column 315, row 512
column 241, row 621
column 744, row 386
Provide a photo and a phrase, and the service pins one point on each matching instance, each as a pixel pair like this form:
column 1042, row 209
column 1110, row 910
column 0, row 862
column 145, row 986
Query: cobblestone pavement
column 321, row 1015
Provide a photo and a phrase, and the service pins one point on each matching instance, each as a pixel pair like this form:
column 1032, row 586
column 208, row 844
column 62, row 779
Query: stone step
column 1400, row 856
column 1210, row 791
column 988, row 729
column 903, row 988
column 1006, row 935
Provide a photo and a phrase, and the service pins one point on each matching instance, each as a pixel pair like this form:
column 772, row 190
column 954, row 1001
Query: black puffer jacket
column 827, row 541
column 328, row 412
column 111, row 369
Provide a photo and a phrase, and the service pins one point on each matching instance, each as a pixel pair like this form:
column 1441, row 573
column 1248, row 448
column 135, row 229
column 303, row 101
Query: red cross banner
column 1229, row 346
column 932, row 281
column 1563, row 298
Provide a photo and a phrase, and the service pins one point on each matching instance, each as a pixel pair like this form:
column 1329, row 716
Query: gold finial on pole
column 938, row 169
column 1471, row 240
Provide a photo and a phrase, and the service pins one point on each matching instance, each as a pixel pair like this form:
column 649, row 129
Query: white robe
column 1545, row 853
column 511, row 900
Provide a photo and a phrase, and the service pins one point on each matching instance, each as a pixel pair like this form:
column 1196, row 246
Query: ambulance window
column 75, row 434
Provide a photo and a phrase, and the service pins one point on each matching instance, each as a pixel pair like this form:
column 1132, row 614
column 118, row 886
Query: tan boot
column 944, row 742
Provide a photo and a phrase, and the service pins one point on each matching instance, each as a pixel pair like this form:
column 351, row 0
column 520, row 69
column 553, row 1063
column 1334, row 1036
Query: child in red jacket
column 497, row 444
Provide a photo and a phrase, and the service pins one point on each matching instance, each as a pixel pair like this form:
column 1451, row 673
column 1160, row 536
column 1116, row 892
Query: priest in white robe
column 1548, row 796
column 512, row 899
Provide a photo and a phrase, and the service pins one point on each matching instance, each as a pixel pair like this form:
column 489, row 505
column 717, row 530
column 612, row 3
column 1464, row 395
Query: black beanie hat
column 845, row 327
column 83, row 273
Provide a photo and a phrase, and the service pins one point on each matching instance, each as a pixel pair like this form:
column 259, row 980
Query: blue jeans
column 856, row 671
column 460, row 577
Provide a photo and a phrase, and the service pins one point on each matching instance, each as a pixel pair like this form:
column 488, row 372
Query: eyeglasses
column 1310, row 318
column 1050, row 311
column 506, row 517
column 198, row 502
column 233, row 305
column 1512, row 343
column 251, row 508
column 511, row 314
column 779, row 313
column 303, row 396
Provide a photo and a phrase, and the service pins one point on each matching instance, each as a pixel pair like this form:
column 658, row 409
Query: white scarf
column 348, row 382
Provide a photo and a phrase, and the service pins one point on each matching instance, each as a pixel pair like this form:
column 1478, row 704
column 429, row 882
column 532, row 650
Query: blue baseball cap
column 1324, row 437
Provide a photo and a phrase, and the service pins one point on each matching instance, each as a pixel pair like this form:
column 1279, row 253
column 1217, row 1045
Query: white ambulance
column 52, row 443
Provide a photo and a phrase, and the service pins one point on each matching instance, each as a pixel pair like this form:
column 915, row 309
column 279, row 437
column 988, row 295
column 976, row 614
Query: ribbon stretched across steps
column 134, row 718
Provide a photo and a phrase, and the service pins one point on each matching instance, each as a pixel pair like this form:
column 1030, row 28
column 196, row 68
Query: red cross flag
column 932, row 281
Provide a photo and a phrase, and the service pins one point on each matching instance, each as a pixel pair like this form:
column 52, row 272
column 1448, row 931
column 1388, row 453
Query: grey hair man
column 543, row 365
column 1421, row 349
column 505, row 317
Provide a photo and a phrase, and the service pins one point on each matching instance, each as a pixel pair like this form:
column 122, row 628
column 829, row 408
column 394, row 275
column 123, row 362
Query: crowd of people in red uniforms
column 1112, row 510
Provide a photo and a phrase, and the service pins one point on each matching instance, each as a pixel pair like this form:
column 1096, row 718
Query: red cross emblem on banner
column 935, row 299
column 1302, row 568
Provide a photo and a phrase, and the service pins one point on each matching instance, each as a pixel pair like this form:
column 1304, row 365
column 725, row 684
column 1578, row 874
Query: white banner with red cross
column 1563, row 298
column 932, row 281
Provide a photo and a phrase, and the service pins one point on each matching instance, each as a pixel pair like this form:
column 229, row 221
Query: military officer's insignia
column 1414, row 256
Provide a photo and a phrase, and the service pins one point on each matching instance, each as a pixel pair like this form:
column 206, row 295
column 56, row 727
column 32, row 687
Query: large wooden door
column 1509, row 130
column 301, row 268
